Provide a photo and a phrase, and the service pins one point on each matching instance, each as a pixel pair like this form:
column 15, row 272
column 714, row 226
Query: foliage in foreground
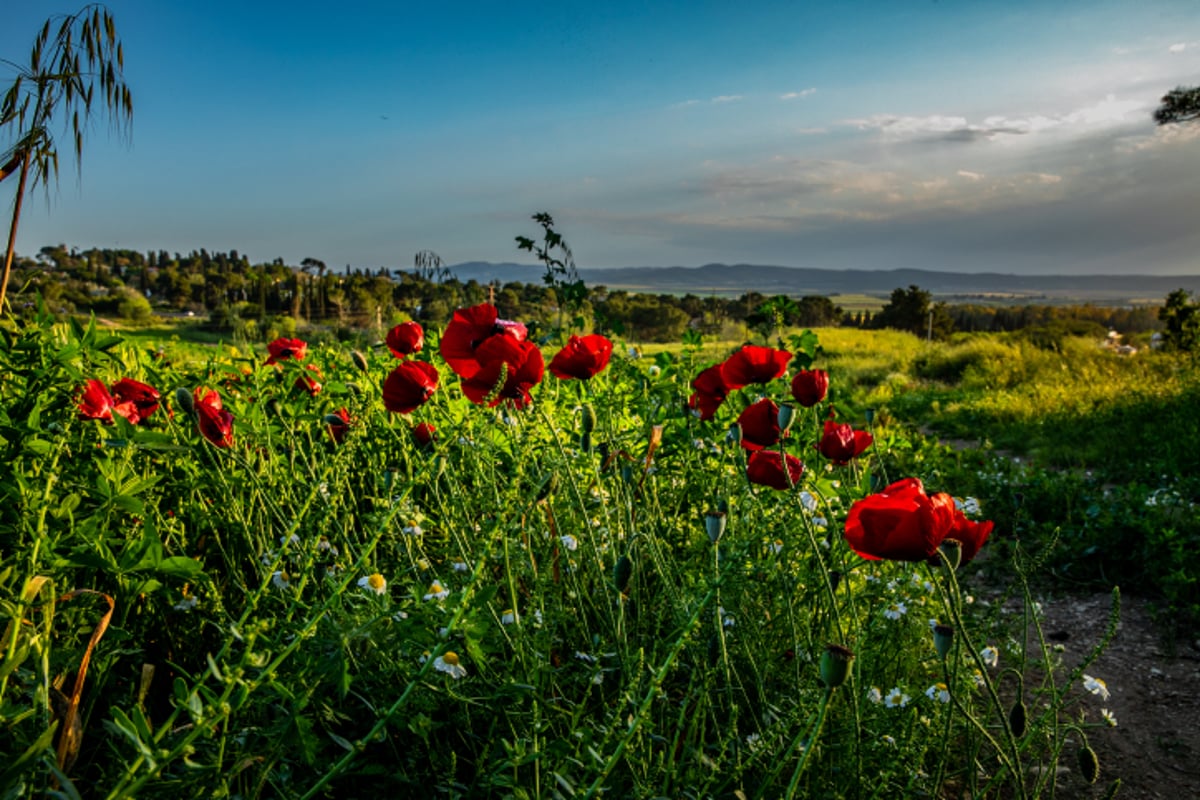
column 535, row 602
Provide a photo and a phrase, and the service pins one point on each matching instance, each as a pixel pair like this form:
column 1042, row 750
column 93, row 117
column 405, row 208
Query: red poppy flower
column 307, row 382
column 282, row 349
column 754, row 364
column 518, row 362
column 408, row 386
column 405, row 339
column 582, row 358
column 809, row 387
column 901, row 523
column 710, row 393
column 95, row 402
column 424, row 434
column 339, row 425
column 766, row 469
column 760, row 425
column 972, row 535
column 214, row 422
column 840, row 443
column 140, row 400
column 468, row 330
column 202, row 395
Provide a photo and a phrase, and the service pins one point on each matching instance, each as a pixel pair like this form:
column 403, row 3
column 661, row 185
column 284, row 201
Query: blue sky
column 950, row 135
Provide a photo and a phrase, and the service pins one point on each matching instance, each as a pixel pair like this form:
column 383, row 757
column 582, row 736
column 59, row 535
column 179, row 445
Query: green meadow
column 591, row 591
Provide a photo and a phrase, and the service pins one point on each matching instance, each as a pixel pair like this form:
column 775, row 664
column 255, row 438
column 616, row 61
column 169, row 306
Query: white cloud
column 971, row 176
column 727, row 98
column 1178, row 48
column 795, row 95
column 811, row 131
column 685, row 104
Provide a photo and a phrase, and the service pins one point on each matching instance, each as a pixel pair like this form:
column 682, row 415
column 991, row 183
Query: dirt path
column 1155, row 697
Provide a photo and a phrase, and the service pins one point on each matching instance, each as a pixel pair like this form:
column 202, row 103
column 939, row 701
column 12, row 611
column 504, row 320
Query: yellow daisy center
column 450, row 657
column 376, row 582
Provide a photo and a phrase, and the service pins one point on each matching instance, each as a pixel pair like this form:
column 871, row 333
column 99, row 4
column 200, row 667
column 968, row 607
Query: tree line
column 231, row 293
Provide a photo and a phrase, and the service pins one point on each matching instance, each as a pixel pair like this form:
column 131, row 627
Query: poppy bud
column 548, row 486
column 622, row 572
column 714, row 525
column 1089, row 763
column 185, row 401
column 1018, row 719
column 952, row 552
column 359, row 360
column 588, row 420
column 835, row 665
column 787, row 413
column 353, row 388
column 943, row 637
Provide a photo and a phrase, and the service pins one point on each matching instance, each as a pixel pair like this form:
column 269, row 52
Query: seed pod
column 786, row 414
column 622, row 572
column 1018, row 719
column 1089, row 764
column 187, row 404
column 835, row 665
column 359, row 360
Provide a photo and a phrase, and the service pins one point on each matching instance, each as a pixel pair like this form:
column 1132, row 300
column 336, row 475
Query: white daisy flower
column 585, row 657
column 1110, row 719
column 188, row 602
column 990, row 656
column 895, row 611
column 896, row 698
column 753, row 741
column 325, row 546
column 939, row 692
column 437, row 592
column 874, row 695
column 373, row 582
column 460, row 566
column 286, row 540
column 808, row 501
column 820, row 522
column 888, row 740
column 508, row 617
column 281, row 579
column 654, row 370
column 412, row 529
column 1096, row 686
column 569, row 542
column 447, row 662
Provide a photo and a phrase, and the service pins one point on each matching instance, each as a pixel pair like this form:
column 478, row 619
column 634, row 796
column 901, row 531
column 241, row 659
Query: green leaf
column 180, row 567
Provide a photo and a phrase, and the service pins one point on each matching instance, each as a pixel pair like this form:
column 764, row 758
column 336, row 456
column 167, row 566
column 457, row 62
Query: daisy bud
column 952, row 552
column 1089, row 763
column 622, row 572
column 359, row 360
column 943, row 637
column 1018, row 718
column 787, row 413
column 185, row 401
column 835, row 665
column 714, row 525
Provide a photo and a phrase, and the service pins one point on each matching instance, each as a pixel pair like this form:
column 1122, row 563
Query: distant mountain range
column 736, row 279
